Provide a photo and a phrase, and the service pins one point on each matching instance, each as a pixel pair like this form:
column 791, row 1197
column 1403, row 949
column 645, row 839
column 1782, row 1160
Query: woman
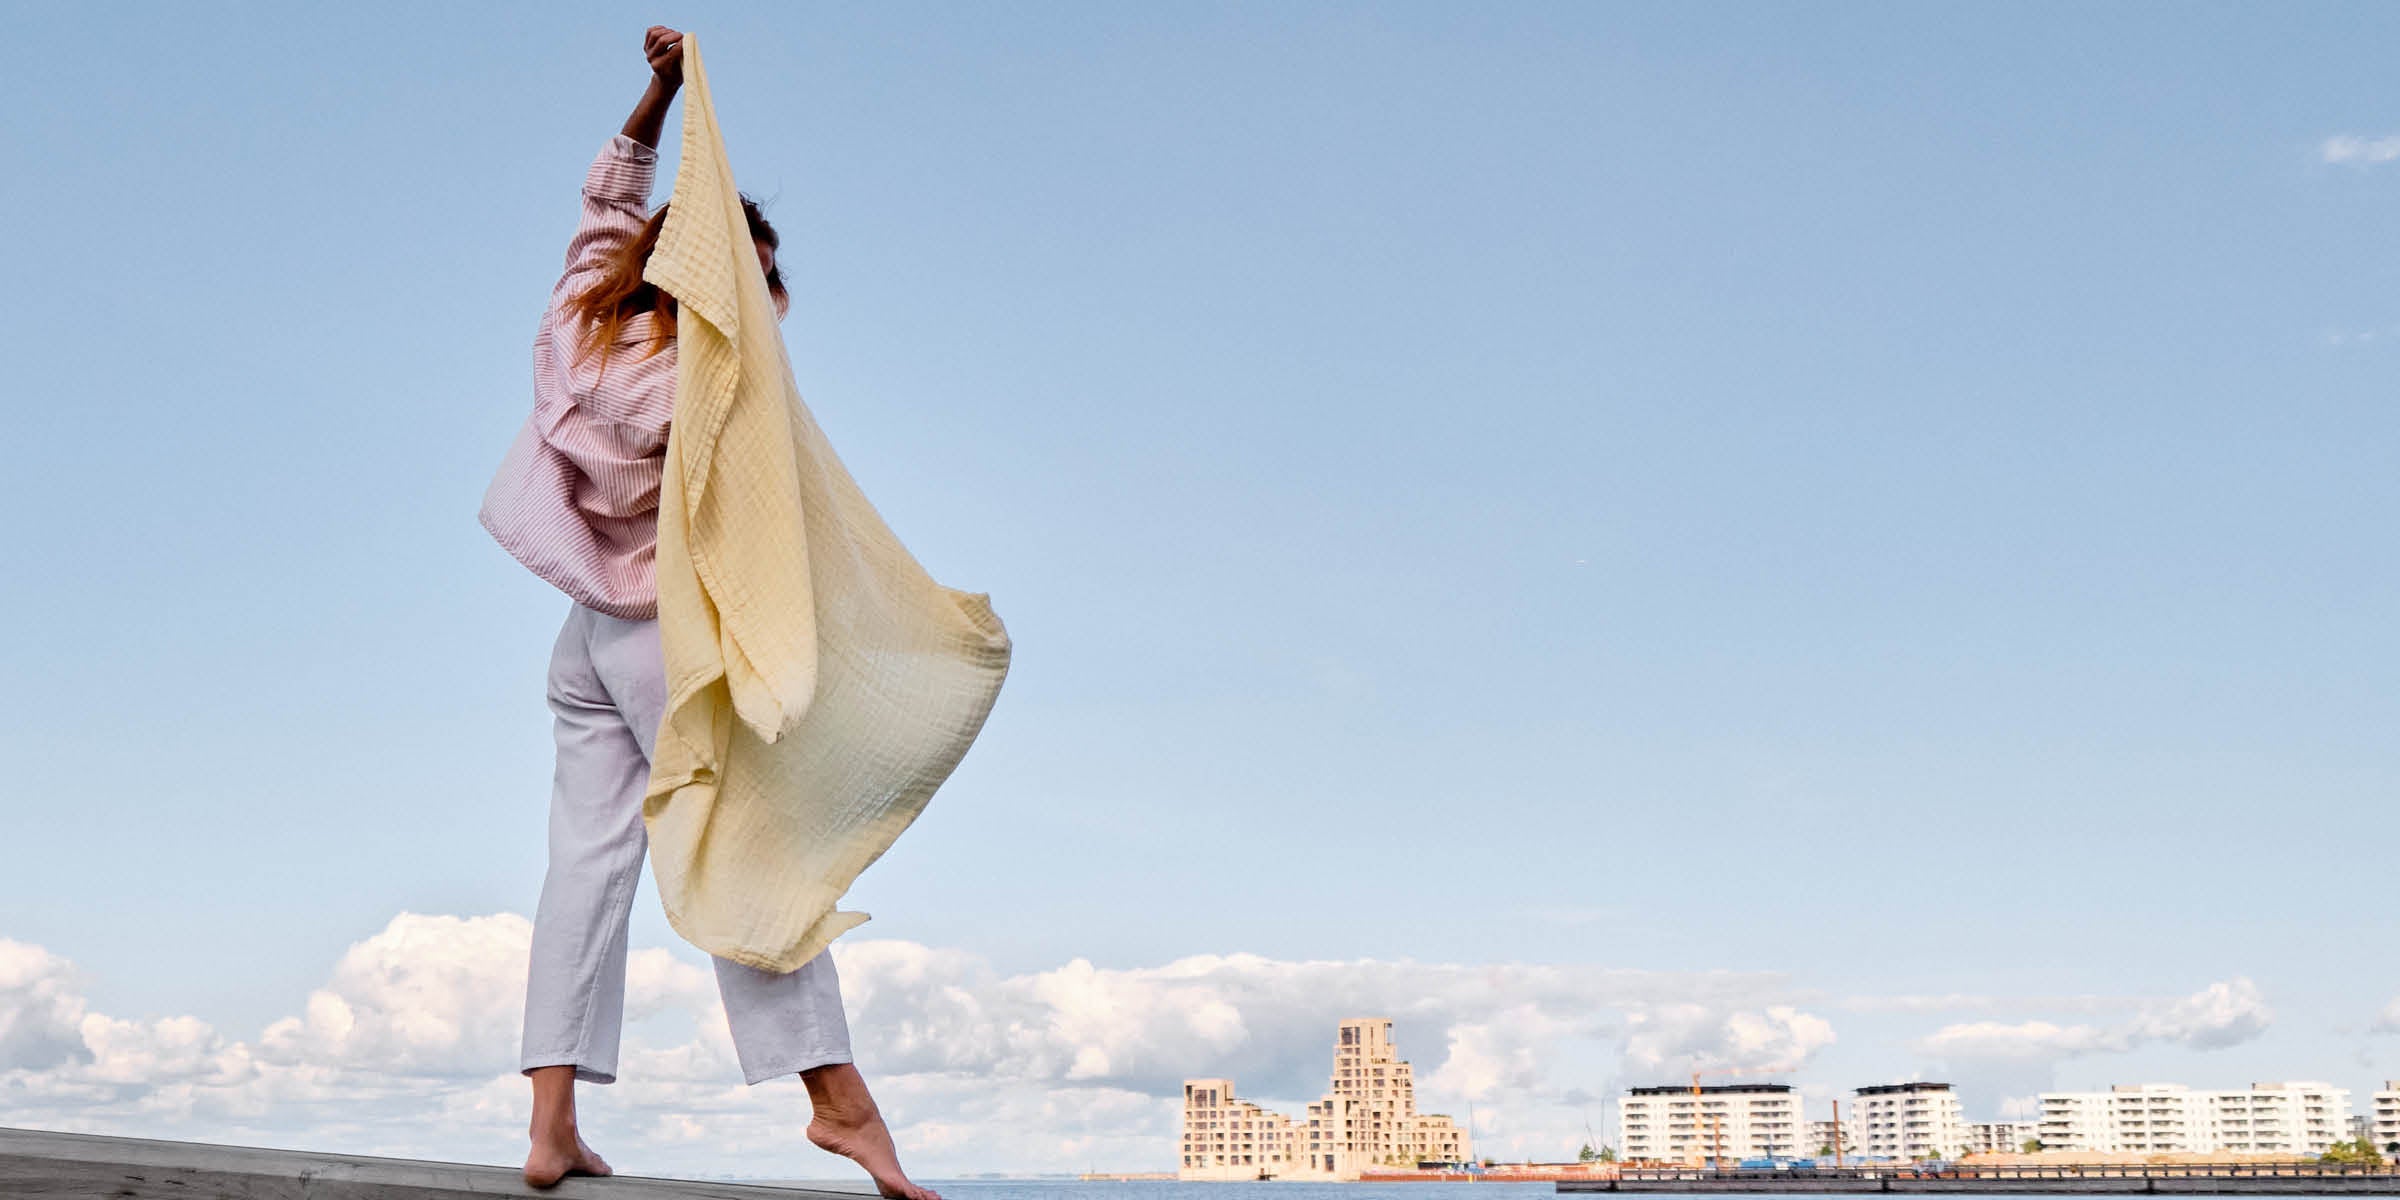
column 576, row 500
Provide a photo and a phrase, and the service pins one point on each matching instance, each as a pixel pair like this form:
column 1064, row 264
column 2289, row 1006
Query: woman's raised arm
column 616, row 191
column 664, row 48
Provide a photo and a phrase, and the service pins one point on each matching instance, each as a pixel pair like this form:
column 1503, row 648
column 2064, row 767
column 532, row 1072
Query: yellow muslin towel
column 820, row 685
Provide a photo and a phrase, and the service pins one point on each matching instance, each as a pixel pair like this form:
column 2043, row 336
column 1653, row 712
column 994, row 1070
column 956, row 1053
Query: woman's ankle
column 553, row 1101
column 837, row 1089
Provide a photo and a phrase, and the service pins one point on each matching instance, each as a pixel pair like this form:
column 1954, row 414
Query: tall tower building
column 1368, row 1119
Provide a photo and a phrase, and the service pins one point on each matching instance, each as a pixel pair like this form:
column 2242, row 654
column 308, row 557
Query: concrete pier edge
column 40, row 1164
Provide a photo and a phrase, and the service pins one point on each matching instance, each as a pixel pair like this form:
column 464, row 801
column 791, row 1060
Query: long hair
column 602, row 309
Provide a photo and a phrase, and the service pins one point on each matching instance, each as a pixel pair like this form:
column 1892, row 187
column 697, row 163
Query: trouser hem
column 795, row 1065
column 583, row 1074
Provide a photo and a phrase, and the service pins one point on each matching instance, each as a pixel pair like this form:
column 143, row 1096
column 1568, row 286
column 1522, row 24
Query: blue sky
column 1874, row 501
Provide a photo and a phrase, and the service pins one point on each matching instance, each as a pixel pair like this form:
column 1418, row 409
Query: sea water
column 1170, row 1189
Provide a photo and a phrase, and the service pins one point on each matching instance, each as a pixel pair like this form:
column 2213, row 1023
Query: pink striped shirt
column 576, row 497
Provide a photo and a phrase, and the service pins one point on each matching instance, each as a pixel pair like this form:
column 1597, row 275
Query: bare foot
column 555, row 1157
column 848, row 1123
column 558, row 1150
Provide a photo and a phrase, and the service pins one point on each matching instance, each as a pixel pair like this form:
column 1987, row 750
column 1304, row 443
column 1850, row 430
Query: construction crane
column 1716, row 1124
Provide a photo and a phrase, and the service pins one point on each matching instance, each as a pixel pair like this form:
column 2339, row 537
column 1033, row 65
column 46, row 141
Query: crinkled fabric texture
column 820, row 685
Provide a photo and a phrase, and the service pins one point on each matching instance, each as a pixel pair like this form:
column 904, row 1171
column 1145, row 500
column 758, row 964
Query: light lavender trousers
column 608, row 689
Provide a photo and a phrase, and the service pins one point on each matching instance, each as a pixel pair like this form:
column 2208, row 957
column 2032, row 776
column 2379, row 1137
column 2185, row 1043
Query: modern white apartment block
column 1369, row 1119
column 1822, row 1138
column 1729, row 1121
column 1910, row 1120
column 1999, row 1137
column 2155, row 1118
column 2383, row 1124
column 2280, row 1118
column 2169, row 1118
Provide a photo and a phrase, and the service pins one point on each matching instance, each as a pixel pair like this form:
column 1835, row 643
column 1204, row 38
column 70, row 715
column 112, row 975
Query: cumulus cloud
column 1778, row 1040
column 2023, row 1039
column 2222, row 1014
column 1528, row 1044
column 409, row 1048
column 2352, row 150
column 41, row 1008
column 430, row 995
column 1996, row 1058
column 2388, row 1021
column 2219, row 1015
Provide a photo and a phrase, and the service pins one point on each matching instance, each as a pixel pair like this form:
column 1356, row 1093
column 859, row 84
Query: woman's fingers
column 664, row 49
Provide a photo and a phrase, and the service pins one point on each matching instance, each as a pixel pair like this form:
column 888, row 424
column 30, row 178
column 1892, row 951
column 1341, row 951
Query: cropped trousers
column 608, row 692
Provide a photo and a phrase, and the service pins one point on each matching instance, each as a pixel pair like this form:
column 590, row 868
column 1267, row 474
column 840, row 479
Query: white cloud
column 2353, row 150
column 1776, row 1041
column 2388, row 1021
column 2222, row 1014
column 2219, row 1015
column 429, row 995
column 1265, row 1022
column 409, row 1048
column 2004, row 1059
column 41, row 1008
column 2024, row 1039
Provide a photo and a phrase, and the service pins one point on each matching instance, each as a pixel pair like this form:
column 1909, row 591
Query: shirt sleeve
column 616, row 200
column 622, row 384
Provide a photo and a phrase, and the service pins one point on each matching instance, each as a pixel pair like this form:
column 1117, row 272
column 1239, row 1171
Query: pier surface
column 37, row 1164
column 2054, row 1180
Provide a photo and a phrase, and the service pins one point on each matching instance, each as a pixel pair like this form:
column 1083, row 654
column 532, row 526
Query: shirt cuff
column 624, row 171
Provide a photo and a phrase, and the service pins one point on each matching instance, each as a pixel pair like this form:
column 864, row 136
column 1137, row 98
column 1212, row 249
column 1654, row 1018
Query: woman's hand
column 664, row 48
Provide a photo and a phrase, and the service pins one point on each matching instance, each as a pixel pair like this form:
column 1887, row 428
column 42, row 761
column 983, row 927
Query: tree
column 1608, row 1154
column 2031, row 1146
column 1587, row 1154
column 2359, row 1153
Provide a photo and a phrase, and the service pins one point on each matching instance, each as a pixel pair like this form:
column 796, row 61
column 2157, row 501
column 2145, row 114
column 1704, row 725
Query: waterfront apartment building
column 2153, row 1118
column 1910, row 1120
column 1368, row 1119
column 2280, row 1118
column 2383, row 1124
column 2169, row 1118
column 1822, row 1137
column 1731, row 1122
column 1999, row 1137
column 1227, row 1139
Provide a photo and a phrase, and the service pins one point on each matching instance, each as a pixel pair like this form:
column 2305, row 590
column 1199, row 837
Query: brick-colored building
column 1368, row 1119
